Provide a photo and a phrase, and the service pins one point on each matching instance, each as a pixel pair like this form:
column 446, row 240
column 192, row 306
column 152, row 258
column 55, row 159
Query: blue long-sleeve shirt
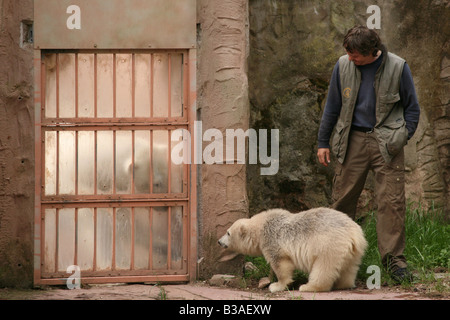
column 364, row 114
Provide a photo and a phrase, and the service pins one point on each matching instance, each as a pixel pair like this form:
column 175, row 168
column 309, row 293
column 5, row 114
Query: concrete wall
column 16, row 146
column 222, row 98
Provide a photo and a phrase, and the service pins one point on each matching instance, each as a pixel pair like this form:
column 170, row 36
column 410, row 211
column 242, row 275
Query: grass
column 427, row 249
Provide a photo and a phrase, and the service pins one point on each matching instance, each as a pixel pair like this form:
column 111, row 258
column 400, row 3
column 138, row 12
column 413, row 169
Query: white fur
column 323, row 242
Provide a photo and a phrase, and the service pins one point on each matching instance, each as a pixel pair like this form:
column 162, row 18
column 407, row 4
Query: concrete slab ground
column 203, row 291
column 201, row 300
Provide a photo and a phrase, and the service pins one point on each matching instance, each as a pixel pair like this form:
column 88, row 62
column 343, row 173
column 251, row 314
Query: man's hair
column 363, row 40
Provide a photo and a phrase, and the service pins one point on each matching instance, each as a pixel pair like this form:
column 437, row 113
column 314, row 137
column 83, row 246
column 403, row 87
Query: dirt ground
column 204, row 291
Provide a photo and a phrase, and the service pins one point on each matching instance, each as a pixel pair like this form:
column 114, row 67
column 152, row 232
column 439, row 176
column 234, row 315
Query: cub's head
column 241, row 238
column 231, row 237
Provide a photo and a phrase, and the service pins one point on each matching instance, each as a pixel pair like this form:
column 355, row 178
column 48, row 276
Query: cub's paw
column 307, row 288
column 276, row 286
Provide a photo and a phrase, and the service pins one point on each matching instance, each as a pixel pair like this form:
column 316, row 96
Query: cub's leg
column 321, row 277
column 347, row 277
column 284, row 269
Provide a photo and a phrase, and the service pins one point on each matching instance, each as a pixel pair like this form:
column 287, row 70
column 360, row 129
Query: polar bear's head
column 241, row 238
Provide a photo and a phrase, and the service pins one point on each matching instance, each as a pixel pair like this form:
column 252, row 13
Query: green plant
column 427, row 244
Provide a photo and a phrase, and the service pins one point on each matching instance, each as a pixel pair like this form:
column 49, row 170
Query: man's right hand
column 324, row 156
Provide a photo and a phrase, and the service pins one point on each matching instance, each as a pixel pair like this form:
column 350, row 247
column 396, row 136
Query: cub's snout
column 225, row 240
column 222, row 244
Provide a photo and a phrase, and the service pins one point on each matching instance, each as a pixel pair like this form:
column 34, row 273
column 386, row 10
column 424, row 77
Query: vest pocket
column 387, row 101
column 395, row 136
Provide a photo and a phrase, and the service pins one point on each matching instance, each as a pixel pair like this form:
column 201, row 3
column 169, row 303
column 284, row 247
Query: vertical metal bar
column 169, row 86
column 95, row 160
column 113, row 266
column 76, row 86
column 94, row 263
column 151, row 161
column 75, row 258
column 133, row 84
column 56, row 240
column 152, row 79
column 114, row 86
column 41, row 261
column 57, row 85
column 57, row 164
column 150, row 258
column 95, row 85
column 152, row 70
column 114, row 162
column 132, row 238
column 185, row 88
column 169, row 160
column 133, row 152
column 186, row 245
column 76, row 162
column 40, row 89
column 169, row 237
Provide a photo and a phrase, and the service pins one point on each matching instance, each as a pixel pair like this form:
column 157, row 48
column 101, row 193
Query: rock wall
column 293, row 48
column 16, row 145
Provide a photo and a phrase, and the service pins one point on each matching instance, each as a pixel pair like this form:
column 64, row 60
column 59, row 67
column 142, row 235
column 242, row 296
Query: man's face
column 360, row 60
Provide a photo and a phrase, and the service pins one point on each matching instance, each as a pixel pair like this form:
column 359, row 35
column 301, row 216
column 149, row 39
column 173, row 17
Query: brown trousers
column 363, row 154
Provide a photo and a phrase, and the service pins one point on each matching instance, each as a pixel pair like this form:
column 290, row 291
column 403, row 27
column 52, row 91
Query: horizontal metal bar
column 117, row 279
column 110, row 124
column 112, row 199
column 114, row 204
column 112, row 51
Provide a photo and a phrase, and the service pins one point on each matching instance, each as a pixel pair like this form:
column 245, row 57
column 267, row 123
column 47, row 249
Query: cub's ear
column 243, row 231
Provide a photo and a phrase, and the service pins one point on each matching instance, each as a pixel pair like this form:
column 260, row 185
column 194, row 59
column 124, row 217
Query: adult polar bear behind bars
column 323, row 242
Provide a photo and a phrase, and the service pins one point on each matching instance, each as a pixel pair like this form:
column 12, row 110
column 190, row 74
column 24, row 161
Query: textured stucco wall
column 222, row 98
column 16, row 146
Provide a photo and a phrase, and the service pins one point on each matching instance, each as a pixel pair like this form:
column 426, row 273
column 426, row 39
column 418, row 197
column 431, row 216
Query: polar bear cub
column 323, row 242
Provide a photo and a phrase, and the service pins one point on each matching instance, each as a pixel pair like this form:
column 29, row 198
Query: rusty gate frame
column 42, row 202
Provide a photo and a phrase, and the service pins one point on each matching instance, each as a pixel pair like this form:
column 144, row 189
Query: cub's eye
column 228, row 233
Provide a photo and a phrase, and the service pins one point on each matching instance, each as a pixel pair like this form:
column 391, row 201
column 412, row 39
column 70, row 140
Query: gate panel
column 111, row 201
column 105, row 241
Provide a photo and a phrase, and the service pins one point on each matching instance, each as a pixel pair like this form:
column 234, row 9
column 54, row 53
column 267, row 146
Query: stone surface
column 263, row 283
column 221, row 279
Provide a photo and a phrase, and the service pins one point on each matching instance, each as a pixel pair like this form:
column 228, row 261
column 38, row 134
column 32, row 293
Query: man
column 371, row 113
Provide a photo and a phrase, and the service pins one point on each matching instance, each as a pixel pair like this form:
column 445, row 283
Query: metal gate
column 108, row 197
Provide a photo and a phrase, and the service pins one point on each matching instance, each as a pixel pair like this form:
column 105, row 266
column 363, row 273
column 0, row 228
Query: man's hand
column 324, row 156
